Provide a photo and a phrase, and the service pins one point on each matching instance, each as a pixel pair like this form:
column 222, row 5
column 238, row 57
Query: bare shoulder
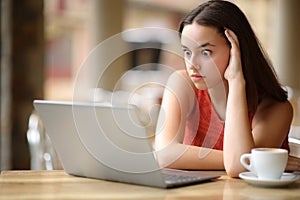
column 181, row 75
column 271, row 123
column 269, row 105
column 179, row 81
column 271, row 109
column 181, row 88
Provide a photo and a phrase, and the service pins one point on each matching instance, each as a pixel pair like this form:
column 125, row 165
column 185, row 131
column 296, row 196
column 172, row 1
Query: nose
column 195, row 67
column 193, row 64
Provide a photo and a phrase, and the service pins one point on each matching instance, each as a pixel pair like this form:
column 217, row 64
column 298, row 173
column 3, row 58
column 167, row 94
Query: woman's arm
column 178, row 101
column 270, row 124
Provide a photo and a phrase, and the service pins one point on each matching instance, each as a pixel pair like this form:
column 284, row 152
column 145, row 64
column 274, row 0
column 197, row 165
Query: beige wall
column 287, row 42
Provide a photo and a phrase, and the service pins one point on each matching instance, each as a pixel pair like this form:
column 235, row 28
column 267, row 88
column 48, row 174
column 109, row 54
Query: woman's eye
column 187, row 53
column 206, row 52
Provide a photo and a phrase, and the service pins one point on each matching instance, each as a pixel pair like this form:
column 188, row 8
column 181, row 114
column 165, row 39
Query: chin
column 201, row 86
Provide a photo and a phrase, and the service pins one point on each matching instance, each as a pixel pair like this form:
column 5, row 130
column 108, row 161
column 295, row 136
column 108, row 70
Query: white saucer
column 286, row 179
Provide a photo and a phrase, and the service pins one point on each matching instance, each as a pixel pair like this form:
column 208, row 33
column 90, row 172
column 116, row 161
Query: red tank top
column 204, row 127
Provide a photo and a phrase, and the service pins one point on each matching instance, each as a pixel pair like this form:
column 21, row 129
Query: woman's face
column 206, row 55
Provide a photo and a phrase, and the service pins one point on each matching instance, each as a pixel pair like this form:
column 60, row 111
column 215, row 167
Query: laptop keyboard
column 175, row 178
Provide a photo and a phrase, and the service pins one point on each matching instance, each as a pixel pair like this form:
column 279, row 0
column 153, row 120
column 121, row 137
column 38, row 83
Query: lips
column 197, row 77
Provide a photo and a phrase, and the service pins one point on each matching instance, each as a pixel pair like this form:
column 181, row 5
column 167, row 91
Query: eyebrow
column 201, row 46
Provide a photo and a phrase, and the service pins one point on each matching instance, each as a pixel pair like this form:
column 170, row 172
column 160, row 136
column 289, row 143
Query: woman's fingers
column 233, row 39
column 293, row 164
column 234, row 68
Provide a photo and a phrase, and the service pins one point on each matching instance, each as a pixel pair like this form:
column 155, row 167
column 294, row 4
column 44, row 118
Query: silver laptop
column 108, row 142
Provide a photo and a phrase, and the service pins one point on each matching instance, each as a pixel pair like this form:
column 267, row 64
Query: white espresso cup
column 266, row 163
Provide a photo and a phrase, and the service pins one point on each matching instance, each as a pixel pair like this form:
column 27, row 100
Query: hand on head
column 234, row 69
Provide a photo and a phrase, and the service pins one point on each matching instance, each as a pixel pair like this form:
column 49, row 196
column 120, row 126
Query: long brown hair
column 258, row 71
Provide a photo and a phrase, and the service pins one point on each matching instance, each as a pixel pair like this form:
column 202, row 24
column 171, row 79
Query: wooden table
column 59, row 185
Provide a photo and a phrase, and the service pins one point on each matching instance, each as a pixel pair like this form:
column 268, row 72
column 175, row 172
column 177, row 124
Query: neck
column 218, row 96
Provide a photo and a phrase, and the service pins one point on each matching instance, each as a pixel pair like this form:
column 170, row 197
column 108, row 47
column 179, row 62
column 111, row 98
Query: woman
column 228, row 99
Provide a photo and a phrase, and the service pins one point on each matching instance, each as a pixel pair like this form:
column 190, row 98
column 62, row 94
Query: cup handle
column 243, row 159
